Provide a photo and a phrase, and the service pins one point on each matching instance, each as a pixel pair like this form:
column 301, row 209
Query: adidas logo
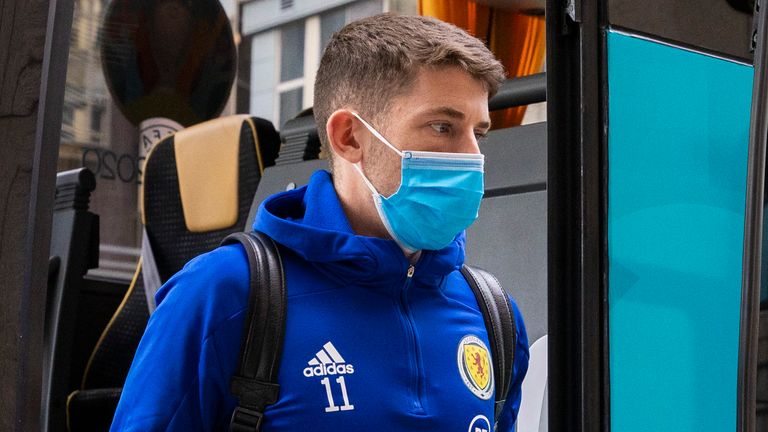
column 328, row 361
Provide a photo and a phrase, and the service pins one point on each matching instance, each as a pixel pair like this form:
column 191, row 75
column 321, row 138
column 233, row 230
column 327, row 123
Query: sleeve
column 508, row 416
column 176, row 382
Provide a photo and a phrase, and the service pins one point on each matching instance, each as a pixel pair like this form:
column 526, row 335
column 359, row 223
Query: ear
column 343, row 135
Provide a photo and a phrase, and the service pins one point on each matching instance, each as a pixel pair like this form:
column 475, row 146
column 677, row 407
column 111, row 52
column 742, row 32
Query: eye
column 441, row 128
column 481, row 137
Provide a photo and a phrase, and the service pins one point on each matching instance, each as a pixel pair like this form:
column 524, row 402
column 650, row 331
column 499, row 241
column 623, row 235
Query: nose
column 469, row 143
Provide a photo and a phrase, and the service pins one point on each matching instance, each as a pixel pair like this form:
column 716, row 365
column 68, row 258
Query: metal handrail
column 301, row 142
column 520, row 91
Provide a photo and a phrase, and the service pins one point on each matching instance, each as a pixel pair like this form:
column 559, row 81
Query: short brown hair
column 369, row 62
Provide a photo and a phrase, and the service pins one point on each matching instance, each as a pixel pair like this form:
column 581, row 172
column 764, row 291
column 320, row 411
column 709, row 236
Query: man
column 382, row 331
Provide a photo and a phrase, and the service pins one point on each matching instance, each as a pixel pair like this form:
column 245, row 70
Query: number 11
column 329, row 392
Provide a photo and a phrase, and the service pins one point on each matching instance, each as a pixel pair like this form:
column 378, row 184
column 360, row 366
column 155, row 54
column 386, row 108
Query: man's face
column 445, row 111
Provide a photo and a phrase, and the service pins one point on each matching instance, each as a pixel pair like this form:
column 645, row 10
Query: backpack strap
column 500, row 325
column 255, row 383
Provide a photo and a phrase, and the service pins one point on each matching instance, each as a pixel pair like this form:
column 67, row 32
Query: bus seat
column 74, row 250
column 297, row 160
column 186, row 214
column 197, row 188
column 509, row 238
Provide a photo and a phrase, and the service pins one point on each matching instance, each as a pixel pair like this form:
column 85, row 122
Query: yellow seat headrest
column 207, row 163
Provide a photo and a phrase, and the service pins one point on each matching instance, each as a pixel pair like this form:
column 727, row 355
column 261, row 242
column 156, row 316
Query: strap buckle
column 245, row 420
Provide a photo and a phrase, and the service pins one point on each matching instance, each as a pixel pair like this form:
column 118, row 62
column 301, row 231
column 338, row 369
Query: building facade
column 281, row 45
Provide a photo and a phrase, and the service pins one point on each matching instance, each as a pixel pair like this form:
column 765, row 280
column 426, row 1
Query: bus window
column 95, row 135
column 95, row 130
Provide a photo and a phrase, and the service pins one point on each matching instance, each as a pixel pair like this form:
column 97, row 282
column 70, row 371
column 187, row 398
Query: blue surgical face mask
column 439, row 196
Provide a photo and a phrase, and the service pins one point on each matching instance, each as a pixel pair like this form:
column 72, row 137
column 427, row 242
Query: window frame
column 311, row 54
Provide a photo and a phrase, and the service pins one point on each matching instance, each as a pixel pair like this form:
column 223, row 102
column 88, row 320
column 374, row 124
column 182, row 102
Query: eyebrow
column 454, row 113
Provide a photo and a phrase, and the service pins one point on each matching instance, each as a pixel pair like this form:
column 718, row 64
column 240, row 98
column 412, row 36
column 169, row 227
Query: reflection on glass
column 168, row 58
column 97, row 112
column 292, row 51
column 94, row 134
column 290, row 104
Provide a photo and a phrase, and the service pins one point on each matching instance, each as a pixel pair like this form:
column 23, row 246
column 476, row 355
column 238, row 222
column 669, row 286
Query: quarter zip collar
column 310, row 222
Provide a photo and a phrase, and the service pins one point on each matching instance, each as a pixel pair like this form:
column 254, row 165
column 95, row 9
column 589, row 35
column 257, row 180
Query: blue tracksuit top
column 367, row 348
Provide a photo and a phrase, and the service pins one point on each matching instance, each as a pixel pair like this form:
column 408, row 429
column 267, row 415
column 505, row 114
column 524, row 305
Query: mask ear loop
column 365, row 179
column 382, row 139
column 377, row 134
column 376, row 194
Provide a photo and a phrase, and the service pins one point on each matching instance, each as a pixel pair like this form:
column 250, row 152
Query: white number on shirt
column 332, row 407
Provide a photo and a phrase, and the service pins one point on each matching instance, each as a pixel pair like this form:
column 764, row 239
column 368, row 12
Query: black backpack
column 255, row 384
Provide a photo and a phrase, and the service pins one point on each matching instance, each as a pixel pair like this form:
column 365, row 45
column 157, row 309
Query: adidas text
column 329, row 369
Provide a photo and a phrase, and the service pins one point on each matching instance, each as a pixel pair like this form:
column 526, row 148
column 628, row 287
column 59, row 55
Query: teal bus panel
column 677, row 172
column 764, row 263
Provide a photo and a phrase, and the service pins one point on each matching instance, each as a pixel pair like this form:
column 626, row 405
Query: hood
column 311, row 222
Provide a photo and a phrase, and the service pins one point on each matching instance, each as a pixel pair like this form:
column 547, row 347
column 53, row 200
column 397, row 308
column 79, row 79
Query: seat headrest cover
column 259, row 157
column 207, row 160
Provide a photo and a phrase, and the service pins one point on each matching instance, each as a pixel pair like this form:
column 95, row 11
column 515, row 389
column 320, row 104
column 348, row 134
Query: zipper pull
column 411, row 269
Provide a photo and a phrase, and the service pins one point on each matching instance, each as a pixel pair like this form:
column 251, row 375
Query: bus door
column 654, row 216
